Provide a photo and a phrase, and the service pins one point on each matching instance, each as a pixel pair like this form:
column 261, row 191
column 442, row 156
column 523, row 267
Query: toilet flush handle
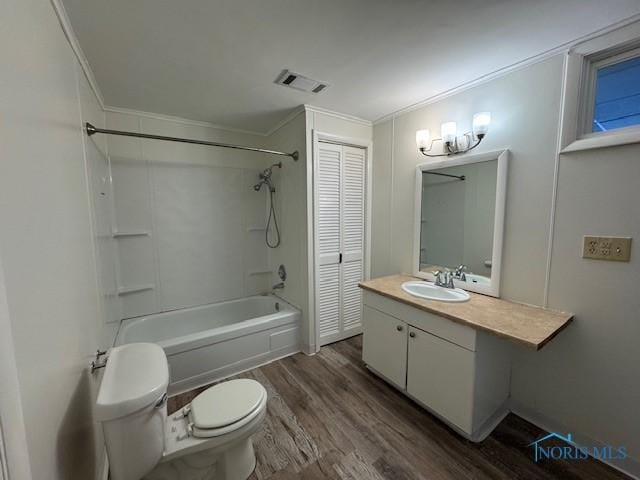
column 161, row 401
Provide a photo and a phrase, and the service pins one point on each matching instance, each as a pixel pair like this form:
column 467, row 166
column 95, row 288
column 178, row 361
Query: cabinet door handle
column 399, row 328
column 412, row 334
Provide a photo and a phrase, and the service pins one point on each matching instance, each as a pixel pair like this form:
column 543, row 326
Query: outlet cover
column 613, row 249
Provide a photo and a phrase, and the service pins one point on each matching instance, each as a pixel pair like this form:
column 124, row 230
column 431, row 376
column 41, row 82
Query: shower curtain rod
column 91, row 130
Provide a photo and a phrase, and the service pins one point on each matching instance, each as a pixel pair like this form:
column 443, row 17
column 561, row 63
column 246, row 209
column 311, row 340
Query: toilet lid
column 226, row 403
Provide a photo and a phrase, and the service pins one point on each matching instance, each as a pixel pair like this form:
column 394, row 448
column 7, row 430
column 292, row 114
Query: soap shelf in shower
column 131, row 233
column 135, row 289
column 260, row 272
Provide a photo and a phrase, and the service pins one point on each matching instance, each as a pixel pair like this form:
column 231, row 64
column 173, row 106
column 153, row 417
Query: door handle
column 340, row 258
column 412, row 334
column 399, row 328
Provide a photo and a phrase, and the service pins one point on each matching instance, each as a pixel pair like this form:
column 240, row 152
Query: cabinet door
column 384, row 346
column 440, row 375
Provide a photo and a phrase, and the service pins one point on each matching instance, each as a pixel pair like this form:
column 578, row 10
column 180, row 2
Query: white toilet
column 208, row 439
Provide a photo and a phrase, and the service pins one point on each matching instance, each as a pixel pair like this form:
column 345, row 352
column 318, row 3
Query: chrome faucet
column 443, row 279
column 459, row 273
column 278, row 286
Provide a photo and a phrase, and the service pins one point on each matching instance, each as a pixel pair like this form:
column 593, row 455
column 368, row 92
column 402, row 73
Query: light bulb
column 422, row 139
column 481, row 123
column 448, row 132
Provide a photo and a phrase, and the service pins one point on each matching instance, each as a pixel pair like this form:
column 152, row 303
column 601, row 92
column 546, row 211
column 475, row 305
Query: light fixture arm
column 452, row 148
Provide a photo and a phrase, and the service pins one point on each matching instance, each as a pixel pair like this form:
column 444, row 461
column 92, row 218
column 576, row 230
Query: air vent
column 300, row 82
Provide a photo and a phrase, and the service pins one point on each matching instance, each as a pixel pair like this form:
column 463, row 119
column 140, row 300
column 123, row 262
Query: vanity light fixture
column 452, row 143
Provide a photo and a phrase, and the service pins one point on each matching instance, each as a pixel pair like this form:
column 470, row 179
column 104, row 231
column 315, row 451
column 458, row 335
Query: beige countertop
column 527, row 325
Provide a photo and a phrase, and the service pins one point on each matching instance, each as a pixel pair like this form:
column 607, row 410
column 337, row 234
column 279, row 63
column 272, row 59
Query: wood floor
column 328, row 417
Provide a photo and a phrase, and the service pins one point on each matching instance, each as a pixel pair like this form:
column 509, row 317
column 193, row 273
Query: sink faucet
column 443, row 279
column 278, row 286
column 459, row 273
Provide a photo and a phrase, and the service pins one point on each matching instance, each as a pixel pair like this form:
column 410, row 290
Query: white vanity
column 446, row 348
column 452, row 358
column 459, row 374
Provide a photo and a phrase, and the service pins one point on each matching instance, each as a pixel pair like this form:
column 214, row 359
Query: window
column 601, row 103
column 615, row 93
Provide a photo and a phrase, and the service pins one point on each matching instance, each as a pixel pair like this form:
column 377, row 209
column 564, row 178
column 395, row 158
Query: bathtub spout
column 278, row 286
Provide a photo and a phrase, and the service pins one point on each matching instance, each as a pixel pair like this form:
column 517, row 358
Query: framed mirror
column 459, row 220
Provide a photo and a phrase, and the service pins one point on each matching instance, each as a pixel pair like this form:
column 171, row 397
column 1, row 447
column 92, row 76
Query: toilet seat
column 225, row 407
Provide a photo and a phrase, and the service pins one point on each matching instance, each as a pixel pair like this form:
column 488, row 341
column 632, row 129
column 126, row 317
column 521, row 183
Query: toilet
column 208, row 439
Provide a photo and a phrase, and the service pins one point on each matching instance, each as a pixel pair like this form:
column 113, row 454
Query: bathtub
column 209, row 342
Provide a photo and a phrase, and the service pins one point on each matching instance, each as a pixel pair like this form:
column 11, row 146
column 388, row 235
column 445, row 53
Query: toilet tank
column 132, row 408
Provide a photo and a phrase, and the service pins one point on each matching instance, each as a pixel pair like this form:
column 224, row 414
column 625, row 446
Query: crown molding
column 561, row 49
column 70, row 35
column 181, row 120
column 341, row 116
column 323, row 111
column 290, row 117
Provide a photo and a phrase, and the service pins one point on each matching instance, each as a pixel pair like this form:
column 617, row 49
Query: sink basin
column 430, row 291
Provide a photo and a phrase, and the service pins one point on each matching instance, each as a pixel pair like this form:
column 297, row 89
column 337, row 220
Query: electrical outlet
column 615, row 249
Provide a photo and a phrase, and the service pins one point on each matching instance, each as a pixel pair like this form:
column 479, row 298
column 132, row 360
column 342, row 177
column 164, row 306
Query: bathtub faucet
column 278, row 286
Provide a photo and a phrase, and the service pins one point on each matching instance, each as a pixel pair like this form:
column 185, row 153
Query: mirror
column 459, row 220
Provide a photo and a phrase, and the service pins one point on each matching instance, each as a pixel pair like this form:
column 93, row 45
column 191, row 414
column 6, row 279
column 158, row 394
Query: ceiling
column 216, row 60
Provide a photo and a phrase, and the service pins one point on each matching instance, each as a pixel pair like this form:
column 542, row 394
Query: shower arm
column 92, row 130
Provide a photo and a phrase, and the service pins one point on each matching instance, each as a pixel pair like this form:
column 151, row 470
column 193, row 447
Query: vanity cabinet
column 456, row 372
column 440, row 375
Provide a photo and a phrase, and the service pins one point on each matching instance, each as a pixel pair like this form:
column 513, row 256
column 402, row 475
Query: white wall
column 515, row 115
column 101, row 202
column 291, row 209
column 47, row 242
column 200, row 210
column 12, row 427
column 585, row 380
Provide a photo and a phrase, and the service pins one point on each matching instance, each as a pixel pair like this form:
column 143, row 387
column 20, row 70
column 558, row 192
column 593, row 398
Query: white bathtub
column 210, row 342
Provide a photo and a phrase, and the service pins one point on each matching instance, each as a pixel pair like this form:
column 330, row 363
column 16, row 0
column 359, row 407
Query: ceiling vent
column 300, row 82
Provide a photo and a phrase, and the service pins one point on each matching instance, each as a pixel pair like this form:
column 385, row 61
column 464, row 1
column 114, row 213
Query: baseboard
column 629, row 466
column 230, row 370
column 490, row 424
column 309, row 350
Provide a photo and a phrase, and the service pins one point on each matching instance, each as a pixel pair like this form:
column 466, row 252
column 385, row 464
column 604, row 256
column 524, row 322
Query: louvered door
column 339, row 210
column 328, row 206
column 352, row 238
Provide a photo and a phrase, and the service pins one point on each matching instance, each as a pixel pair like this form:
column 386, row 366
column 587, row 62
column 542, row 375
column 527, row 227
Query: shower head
column 265, row 177
column 266, row 173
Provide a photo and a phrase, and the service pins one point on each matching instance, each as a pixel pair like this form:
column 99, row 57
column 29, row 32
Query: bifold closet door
column 328, row 204
column 352, row 238
column 340, row 194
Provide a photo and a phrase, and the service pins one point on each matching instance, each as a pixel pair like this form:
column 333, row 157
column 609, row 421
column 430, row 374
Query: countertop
column 524, row 324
